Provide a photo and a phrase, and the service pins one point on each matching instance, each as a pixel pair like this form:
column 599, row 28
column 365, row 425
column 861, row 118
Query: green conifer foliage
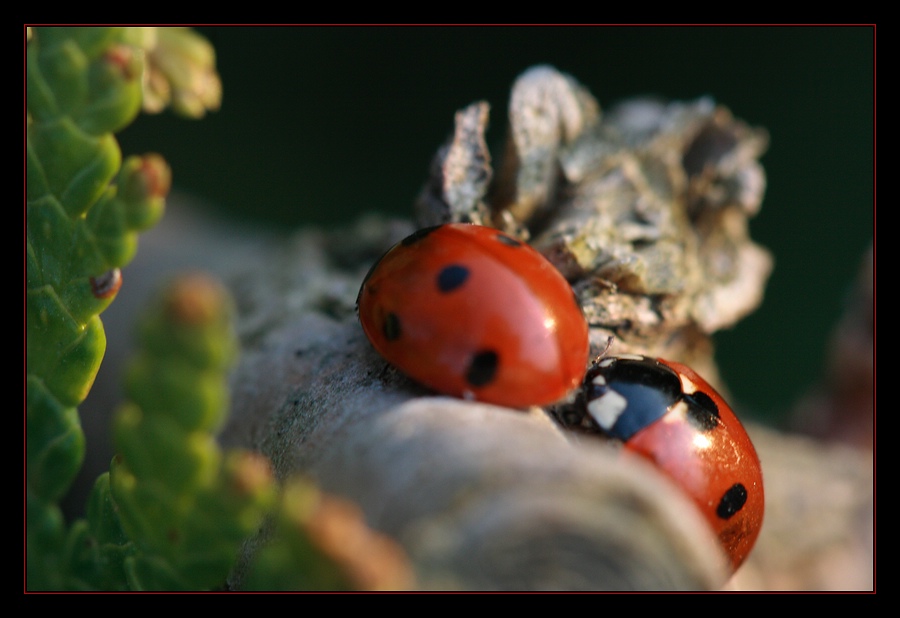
column 84, row 211
column 174, row 509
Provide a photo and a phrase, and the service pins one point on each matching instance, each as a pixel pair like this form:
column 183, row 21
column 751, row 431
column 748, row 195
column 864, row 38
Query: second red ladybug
column 668, row 414
column 472, row 312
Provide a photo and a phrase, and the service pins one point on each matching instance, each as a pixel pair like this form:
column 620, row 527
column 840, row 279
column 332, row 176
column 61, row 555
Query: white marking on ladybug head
column 687, row 386
column 607, row 409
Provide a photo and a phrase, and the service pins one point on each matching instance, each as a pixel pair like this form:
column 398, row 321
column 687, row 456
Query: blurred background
column 320, row 125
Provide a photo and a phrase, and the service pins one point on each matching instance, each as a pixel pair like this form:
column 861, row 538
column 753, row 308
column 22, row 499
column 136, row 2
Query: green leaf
column 76, row 166
column 44, row 539
column 54, row 443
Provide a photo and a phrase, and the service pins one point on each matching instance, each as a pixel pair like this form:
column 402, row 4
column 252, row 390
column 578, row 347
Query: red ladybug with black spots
column 472, row 312
column 665, row 412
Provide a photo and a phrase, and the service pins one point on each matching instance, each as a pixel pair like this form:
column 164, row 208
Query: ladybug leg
column 603, row 352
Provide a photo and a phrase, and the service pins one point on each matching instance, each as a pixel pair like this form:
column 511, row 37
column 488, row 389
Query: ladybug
column 665, row 412
column 472, row 312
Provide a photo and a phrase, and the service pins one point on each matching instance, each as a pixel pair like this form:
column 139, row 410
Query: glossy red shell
column 471, row 312
column 712, row 460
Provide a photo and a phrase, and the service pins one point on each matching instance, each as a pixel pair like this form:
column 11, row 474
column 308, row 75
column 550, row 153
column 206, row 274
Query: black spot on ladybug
column 451, row 277
column 732, row 501
column 391, row 327
column 508, row 240
column 418, row 235
column 483, row 368
column 703, row 413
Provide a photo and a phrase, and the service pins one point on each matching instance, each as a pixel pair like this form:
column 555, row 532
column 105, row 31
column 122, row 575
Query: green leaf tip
column 194, row 314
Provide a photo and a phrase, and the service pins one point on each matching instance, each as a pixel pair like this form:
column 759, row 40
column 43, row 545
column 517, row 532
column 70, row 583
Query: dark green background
column 321, row 124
